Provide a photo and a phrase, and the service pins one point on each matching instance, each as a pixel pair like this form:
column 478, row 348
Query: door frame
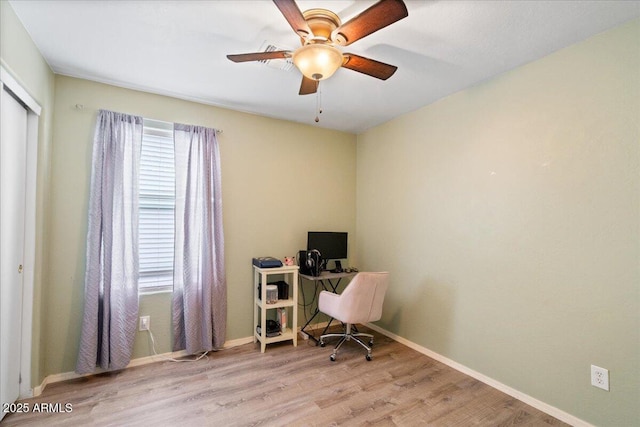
column 8, row 83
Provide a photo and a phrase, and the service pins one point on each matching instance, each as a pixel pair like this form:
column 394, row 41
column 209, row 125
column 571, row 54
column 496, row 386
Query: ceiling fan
column 321, row 31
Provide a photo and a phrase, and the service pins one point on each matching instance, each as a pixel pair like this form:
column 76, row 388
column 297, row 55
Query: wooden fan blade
column 378, row 16
column 308, row 86
column 371, row 67
column 260, row 56
column 294, row 17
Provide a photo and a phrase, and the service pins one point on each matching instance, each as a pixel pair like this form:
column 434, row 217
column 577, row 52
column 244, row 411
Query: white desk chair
column 361, row 302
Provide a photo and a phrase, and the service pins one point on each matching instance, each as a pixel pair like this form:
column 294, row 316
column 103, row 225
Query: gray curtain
column 199, row 282
column 111, row 277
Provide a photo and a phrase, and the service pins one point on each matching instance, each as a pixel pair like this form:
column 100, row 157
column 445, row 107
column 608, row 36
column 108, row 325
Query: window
column 157, row 202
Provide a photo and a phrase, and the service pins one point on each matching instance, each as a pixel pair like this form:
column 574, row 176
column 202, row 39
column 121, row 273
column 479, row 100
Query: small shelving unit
column 260, row 307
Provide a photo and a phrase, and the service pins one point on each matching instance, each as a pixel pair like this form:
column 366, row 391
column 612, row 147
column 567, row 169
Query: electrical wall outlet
column 145, row 323
column 600, row 377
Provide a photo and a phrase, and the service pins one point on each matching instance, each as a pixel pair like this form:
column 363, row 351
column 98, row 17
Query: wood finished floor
column 285, row 386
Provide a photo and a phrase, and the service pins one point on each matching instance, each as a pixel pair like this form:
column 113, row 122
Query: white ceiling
column 179, row 48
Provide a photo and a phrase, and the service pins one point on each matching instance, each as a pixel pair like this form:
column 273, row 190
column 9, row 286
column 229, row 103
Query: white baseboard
column 531, row 401
column 237, row 342
column 64, row 376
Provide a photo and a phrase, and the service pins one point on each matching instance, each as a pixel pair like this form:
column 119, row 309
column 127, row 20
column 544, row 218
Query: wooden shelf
column 286, row 335
column 260, row 277
column 281, row 303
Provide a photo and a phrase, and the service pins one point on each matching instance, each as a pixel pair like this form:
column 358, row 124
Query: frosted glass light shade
column 317, row 61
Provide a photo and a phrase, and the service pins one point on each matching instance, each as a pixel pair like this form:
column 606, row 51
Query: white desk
column 329, row 282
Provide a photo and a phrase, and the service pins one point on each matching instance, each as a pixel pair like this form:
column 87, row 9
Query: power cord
column 153, row 346
column 308, row 304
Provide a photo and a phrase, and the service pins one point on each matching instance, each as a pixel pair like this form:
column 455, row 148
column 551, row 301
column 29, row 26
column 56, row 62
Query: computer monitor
column 331, row 245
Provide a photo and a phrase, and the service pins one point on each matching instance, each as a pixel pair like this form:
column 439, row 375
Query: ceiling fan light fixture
column 317, row 61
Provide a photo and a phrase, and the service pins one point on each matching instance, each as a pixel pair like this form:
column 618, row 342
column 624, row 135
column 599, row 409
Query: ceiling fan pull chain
column 318, row 101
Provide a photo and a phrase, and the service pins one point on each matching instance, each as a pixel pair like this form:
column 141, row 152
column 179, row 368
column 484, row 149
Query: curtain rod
column 81, row 107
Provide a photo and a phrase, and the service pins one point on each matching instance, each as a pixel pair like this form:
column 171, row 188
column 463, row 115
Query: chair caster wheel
column 368, row 357
column 371, row 343
column 322, row 344
column 332, row 357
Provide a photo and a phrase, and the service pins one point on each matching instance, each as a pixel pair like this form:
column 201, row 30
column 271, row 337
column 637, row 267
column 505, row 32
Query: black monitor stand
column 338, row 267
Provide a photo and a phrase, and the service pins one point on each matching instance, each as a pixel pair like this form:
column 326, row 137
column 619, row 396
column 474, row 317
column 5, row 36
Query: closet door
column 13, row 161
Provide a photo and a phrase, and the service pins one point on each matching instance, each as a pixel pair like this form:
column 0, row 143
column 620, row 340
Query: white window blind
column 157, row 201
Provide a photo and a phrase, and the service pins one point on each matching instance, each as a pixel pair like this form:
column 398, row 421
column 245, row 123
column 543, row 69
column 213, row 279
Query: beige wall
column 22, row 59
column 279, row 180
column 511, row 226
